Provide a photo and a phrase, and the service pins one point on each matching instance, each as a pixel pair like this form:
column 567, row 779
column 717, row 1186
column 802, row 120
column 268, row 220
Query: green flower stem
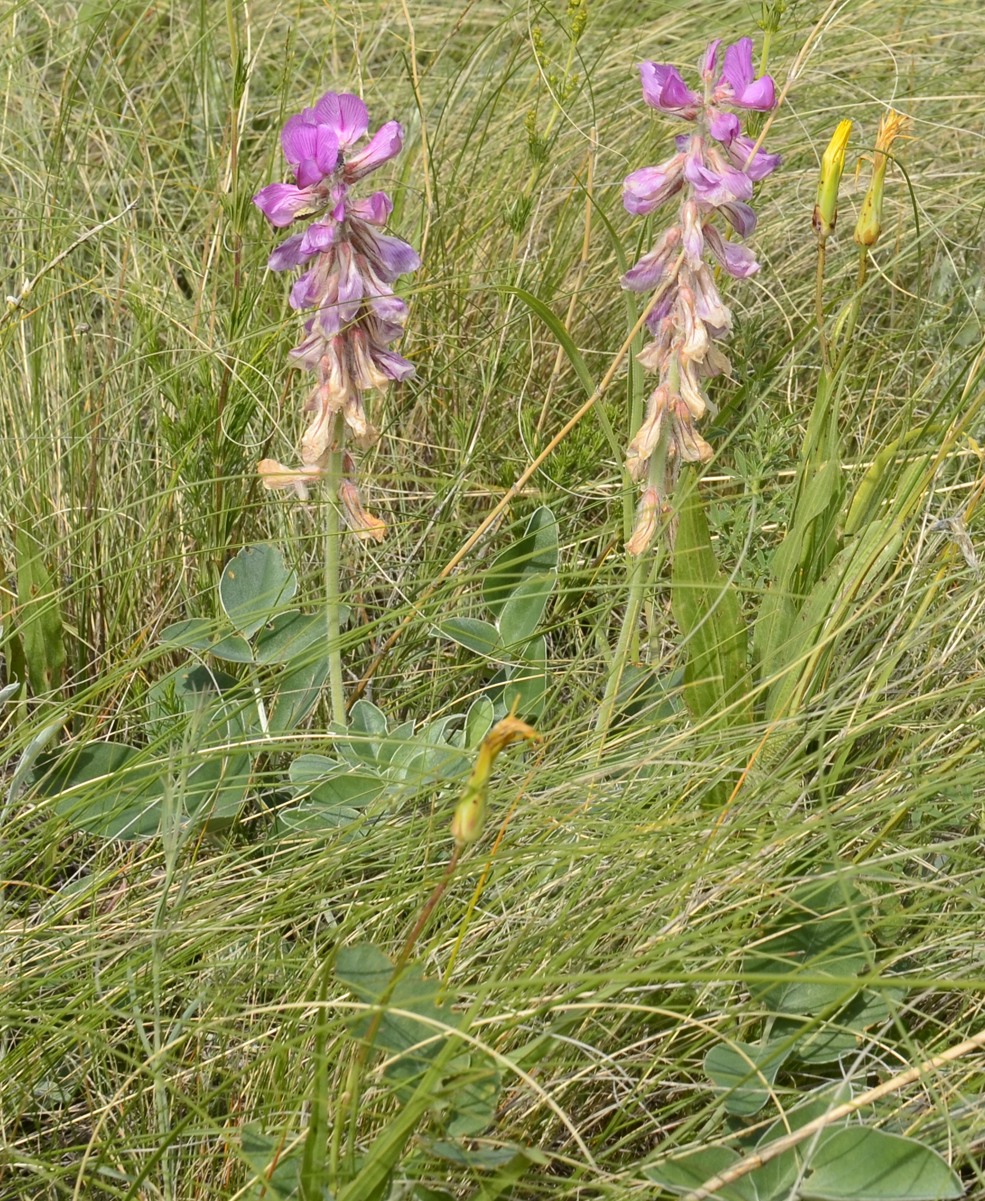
column 333, row 535
column 628, row 645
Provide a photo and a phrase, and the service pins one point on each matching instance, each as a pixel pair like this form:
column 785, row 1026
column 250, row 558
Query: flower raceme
column 347, row 266
column 712, row 173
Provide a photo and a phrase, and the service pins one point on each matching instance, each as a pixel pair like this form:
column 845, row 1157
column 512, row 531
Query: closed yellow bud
column 832, row 165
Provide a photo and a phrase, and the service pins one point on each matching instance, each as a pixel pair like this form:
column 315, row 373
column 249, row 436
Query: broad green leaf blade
column 706, row 608
column 817, row 937
column 254, row 585
column 744, row 1074
column 481, row 637
column 526, row 689
column 478, row 721
column 106, row 788
column 290, row 637
column 535, row 553
column 368, row 719
column 523, row 609
column 195, row 634
column 297, row 692
column 858, row 1163
column 691, row 1169
column 39, row 615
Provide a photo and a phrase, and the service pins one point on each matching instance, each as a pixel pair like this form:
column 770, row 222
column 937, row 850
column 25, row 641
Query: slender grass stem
column 333, row 600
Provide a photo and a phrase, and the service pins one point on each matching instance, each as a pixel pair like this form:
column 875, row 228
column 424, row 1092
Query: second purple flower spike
column 713, row 171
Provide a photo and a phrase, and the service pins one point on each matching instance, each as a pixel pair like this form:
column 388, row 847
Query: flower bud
column 869, row 224
column 832, row 165
column 470, row 813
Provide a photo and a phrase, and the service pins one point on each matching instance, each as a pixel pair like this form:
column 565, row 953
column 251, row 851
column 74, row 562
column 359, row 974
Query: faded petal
column 738, row 260
column 740, row 216
column 648, row 188
column 759, row 166
column 654, row 267
column 708, row 302
column 693, row 237
column 345, row 115
column 687, row 444
column 647, row 437
column 665, row 90
column 276, row 477
column 648, row 514
column 362, row 523
column 384, row 144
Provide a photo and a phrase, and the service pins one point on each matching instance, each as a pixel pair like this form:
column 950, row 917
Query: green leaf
column 297, row 692
column 233, row 649
column 744, row 1073
column 254, row 585
column 857, row 1163
column 526, row 687
column 195, row 634
column 690, row 1170
column 277, row 1172
column 39, row 616
column 535, row 553
column 706, row 607
column 478, row 721
column 289, row 637
column 367, row 719
column 481, row 637
column 105, row 788
column 523, row 609
column 411, row 1041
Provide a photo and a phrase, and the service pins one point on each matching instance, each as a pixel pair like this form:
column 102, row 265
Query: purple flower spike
column 349, row 266
column 713, row 170
column 665, row 90
column 738, row 85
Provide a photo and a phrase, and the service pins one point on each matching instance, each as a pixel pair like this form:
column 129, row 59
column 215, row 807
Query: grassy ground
column 160, row 995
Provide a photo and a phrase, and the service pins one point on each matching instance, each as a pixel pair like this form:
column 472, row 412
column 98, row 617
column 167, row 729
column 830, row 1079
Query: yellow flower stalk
column 470, row 813
column 832, row 166
column 869, row 224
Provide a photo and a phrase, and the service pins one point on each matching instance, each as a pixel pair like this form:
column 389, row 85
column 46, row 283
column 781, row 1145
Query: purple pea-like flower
column 348, row 265
column 713, row 172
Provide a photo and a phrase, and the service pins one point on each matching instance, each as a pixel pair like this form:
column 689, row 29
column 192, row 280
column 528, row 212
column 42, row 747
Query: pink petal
column 648, row 188
column 346, row 116
column 384, row 144
column 738, row 260
column 375, row 209
column 281, row 203
column 664, row 89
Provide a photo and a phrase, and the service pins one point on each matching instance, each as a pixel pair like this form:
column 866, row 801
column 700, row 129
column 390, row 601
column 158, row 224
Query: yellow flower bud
column 470, row 813
column 869, row 224
column 832, row 165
